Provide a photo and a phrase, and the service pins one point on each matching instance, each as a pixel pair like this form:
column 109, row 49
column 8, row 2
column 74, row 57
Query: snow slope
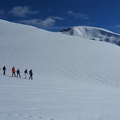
column 93, row 33
column 74, row 78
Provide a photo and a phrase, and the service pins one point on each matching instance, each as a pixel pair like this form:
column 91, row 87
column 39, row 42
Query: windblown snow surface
column 74, row 78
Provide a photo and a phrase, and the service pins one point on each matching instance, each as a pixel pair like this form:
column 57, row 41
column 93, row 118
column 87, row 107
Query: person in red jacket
column 13, row 72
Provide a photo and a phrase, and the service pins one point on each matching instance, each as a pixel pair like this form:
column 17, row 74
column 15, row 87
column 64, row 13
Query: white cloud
column 78, row 15
column 48, row 22
column 22, row 11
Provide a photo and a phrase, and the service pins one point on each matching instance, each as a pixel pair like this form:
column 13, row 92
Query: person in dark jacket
column 25, row 72
column 4, row 70
column 31, row 74
column 18, row 73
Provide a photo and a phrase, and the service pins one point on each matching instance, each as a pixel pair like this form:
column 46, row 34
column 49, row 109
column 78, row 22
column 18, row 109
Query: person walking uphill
column 31, row 74
column 25, row 72
column 4, row 70
column 18, row 73
column 13, row 72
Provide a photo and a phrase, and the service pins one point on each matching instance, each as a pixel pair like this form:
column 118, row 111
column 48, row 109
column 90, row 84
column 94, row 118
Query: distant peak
column 93, row 33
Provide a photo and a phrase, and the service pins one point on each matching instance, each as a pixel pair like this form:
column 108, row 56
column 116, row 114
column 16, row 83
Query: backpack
column 4, row 68
column 18, row 71
column 25, row 71
column 30, row 72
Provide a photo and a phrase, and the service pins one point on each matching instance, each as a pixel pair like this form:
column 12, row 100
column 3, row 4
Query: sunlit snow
column 73, row 78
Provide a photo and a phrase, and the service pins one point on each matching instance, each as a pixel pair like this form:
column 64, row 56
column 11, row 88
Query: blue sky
column 54, row 15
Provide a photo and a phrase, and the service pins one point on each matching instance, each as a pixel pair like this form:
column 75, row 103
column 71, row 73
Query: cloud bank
column 22, row 11
column 48, row 22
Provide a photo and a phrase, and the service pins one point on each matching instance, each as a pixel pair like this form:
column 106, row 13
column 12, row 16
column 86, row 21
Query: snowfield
column 73, row 78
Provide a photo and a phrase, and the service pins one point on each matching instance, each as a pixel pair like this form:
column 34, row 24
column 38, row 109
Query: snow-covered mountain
column 73, row 78
column 93, row 33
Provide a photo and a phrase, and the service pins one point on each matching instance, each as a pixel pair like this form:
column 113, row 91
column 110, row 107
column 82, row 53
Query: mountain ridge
column 93, row 33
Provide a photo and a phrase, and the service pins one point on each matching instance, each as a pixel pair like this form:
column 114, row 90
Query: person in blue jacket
column 31, row 74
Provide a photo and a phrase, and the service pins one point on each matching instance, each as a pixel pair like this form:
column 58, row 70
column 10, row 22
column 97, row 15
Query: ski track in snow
column 21, row 116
